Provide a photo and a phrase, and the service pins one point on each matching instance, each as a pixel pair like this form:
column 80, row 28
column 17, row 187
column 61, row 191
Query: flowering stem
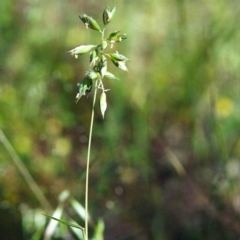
column 88, row 160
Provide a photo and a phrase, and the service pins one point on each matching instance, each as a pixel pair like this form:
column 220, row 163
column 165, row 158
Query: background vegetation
column 165, row 160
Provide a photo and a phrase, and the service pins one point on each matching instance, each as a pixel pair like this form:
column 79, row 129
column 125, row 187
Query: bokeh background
column 165, row 160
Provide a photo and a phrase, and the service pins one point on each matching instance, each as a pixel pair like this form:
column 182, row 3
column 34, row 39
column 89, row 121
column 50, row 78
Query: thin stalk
column 88, row 161
column 25, row 173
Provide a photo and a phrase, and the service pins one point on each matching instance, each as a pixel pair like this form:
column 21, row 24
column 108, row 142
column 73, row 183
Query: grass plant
column 93, row 79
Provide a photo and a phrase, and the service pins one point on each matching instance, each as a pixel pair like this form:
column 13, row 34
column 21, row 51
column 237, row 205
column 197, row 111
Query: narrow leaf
column 79, row 233
column 52, row 225
column 63, row 196
column 64, row 222
column 80, row 210
column 99, row 230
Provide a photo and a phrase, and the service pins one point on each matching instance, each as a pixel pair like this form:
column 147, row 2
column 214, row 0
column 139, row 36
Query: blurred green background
column 165, row 160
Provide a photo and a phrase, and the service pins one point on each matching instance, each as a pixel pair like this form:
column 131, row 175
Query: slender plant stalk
column 24, row 171
column 98, row 69
column 88, row 161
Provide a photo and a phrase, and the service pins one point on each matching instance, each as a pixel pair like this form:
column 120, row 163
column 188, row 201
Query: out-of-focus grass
column 181, row 93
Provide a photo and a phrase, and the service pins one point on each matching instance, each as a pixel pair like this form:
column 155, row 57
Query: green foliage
column 178, row 105
column 97, row 70
column 98, row 61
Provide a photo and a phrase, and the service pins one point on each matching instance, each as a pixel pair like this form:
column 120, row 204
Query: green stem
column 25, row 173
column 88, row 161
